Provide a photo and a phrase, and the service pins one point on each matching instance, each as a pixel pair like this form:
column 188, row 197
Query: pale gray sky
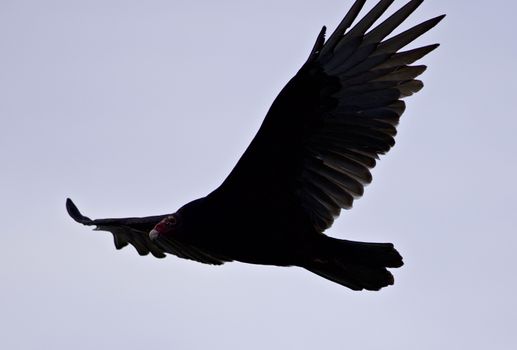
column 137, row 107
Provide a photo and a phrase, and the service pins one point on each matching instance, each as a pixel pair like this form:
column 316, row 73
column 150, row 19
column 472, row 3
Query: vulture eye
column 171, row 221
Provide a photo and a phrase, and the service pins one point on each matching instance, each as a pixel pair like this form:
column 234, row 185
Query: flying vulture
column 311, row 157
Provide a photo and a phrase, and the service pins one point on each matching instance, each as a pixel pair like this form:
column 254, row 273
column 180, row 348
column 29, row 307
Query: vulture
column 311, row 157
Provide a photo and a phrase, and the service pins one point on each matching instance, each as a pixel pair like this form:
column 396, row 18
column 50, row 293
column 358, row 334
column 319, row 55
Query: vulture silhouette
column 311, row 157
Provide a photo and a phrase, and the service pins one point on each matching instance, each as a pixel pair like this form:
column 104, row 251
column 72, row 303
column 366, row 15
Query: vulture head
column 165, row 227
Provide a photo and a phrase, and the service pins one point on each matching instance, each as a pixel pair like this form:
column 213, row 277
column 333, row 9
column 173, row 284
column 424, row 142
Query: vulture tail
column 356, row 265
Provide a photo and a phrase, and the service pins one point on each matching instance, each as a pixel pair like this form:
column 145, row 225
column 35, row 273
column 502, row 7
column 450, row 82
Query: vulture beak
column 153, row 234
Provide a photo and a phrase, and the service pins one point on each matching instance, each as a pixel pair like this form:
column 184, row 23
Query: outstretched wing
column 327, row 127
column 135, row 231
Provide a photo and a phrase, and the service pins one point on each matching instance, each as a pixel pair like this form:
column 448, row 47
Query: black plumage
column 311, row 158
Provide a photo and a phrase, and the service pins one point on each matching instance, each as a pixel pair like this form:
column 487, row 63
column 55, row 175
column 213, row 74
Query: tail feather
column 355, row 277
column 369, row 254
column 356, row 265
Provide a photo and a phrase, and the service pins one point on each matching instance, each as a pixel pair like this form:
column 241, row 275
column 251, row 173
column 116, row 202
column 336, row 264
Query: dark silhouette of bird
column 311, row 158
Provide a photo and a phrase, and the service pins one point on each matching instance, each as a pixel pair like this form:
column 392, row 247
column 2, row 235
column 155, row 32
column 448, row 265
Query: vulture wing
column 329, row 124
column 135, row 231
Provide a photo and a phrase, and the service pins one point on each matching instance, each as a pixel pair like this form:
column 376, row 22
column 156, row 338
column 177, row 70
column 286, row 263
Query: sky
column 134, row 108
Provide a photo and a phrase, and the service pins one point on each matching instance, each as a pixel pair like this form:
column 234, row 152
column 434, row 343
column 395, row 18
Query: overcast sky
column 134, row 108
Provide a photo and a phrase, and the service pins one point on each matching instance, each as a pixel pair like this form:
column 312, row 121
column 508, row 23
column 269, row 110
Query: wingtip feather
column 345, row 23
column 318, row 45
column 75, row 214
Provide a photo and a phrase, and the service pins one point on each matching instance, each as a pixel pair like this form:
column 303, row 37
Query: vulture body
column 311, row 158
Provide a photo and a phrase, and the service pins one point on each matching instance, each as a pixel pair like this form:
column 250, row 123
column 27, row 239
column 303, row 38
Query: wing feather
column 389, row 25
column 399, row 41
column 347, row 21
